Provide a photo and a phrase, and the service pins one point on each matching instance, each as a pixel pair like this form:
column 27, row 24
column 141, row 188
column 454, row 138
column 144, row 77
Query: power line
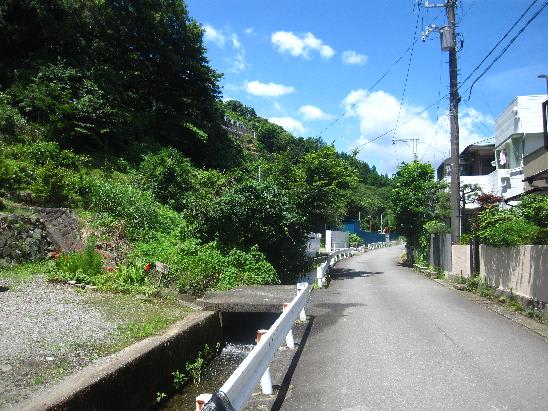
column 467, row 78
column 407, row 72
column 377, row 82
column 506, row 48
column 498, row 43
column 487, row 129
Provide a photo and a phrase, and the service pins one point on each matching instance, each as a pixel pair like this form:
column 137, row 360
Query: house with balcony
column 517, row 162
column 477, row 162
column 519, row 147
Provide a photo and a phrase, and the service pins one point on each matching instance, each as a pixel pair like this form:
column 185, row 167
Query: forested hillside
column 112, row 108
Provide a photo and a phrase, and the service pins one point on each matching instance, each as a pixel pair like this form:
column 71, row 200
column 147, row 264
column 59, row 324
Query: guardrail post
column 266, row 379
column 319, row 275
column 201, row 400
column 289, row 341
column 302, row 315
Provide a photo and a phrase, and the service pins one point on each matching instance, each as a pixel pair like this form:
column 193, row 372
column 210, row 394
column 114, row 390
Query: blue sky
column 310, row 65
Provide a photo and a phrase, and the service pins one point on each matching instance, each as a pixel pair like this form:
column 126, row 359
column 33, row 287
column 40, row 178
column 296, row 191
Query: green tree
column 114, row 75
column 259, row 214
column 169, row 176
column 320, row 184
column 413, row 198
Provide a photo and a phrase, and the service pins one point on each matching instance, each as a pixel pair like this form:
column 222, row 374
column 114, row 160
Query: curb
column 130, row 379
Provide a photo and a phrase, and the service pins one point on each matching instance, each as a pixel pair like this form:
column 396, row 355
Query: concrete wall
column 440, row 252
column 313, row 244
column 335, row 240
column 460, row 260
column 130, row 379
column 523, row 269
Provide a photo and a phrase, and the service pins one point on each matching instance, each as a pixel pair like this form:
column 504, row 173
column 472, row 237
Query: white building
column 518, row 133
column 519, row 139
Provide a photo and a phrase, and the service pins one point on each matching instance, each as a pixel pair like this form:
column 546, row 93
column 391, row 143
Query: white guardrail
column 255, row 367
column 333, row 257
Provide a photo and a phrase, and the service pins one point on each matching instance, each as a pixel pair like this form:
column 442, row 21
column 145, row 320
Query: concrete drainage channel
column 134, row 378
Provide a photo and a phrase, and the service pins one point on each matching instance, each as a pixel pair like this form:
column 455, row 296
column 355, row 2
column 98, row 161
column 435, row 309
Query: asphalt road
column 385, row 337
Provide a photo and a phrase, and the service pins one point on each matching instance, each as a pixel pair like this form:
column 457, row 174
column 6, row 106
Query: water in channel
column 213, row 377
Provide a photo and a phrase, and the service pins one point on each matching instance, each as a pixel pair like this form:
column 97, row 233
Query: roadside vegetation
column 127, row 127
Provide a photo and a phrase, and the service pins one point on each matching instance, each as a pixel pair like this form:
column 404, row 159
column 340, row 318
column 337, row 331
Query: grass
column 138, row 317
column 23, row 271
column 483, row 289
column 12, row 207
column 137, row 330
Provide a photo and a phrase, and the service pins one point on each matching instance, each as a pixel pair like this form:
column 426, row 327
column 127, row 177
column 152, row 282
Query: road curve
column 384, row 337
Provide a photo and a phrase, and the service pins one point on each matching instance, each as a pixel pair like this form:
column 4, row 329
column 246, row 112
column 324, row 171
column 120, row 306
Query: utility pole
column 449, row 43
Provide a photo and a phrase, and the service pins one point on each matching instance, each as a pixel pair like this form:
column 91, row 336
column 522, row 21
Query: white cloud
column 250, row 31
column 352, row 57
column 289, row 124
column 313, row 113
column 300, row 46
column 278, row 107
column 220, row 38
column 378, row 113
column 267, row 89
column 239, row 58
column 214, row 36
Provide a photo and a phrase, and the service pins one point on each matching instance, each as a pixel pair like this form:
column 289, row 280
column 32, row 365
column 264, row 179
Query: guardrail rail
column 255, row 367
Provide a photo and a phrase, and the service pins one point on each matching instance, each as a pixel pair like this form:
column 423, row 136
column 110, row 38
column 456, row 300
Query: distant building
column 477, row 162
column 535, row 163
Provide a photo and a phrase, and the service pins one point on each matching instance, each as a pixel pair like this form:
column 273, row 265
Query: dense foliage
column 110, row 77
column 524, row 224
column 111, row 107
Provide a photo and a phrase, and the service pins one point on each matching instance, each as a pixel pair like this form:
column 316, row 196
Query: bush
column 196, row 267
column 54, row 177
column 504, row 228
column 81, row 266
column 436, row 227
column 142, row 215
column 168, row 175
column 257, row 214
column 465, row 239
column 534, row 208
column 11, row 121
column 355, row 239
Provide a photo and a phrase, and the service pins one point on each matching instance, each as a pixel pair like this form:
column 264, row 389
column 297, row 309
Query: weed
column 472, row 283
column 484, row 290
column 160, row 396
column 516, row 305
column 141, row 329
column 179, row 379
column 38, row 380
column 196, row 367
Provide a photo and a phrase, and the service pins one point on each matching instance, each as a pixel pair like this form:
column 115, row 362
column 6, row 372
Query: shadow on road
column 282, row 392
column 347, row 274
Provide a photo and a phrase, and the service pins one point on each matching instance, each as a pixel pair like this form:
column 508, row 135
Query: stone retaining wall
column 30, row 238
column 62, row 225
column 23, row 238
